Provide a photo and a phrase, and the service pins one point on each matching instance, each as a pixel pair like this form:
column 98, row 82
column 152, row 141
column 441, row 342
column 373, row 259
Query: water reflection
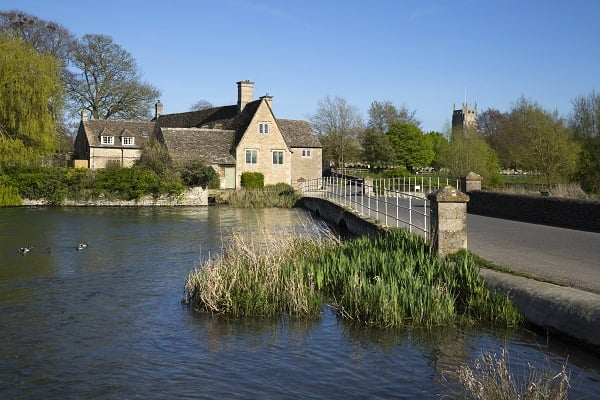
column 107, row 322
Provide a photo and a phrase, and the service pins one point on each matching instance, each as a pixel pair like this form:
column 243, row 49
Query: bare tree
column 338, row 125
column 46, row 37
column 201, row 105
column 106, row 81
column 585, row 120
column 382, row 114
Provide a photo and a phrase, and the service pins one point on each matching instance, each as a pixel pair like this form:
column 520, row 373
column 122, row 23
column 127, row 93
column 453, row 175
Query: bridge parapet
column 448, row 220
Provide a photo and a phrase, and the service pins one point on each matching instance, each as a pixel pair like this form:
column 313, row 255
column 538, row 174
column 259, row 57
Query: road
column 561, row 255
column 564, row 255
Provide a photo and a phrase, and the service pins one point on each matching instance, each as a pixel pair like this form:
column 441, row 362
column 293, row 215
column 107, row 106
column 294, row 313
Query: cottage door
column 229, row 178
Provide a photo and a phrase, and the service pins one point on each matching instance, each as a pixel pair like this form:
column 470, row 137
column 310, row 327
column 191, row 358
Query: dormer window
column 128, row 140
column 264, row 128
column 107, row 140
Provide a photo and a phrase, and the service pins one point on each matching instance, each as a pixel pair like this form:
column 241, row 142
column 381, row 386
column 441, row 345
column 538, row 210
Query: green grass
column 279, row 195
column 391, row 281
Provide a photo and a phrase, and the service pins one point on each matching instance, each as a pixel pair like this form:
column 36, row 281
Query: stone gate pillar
column 448, row 220
column 470, row 182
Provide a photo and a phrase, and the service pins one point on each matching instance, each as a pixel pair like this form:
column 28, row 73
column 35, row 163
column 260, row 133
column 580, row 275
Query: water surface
column 107, row 322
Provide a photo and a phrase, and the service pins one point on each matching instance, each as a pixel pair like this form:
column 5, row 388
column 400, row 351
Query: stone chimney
column 158, row 109
column 84, row 115
column 245, row 94
column 269, row 100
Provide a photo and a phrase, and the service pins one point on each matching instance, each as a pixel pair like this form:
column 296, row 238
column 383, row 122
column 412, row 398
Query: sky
column 427, row 55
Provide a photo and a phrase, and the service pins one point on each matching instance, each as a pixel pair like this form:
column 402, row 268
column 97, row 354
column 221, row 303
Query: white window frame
column 278, row 157
column 306, row 153
column 264, row 128
column 108, row 140
column 252, row 155
column 128, row 140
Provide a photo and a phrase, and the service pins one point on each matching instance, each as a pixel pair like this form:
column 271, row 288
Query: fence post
column 448, row 220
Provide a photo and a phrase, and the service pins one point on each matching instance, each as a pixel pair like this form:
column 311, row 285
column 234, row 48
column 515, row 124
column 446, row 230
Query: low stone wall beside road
column 561, row 212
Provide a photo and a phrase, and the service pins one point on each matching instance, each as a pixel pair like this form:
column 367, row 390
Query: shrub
column 126, row 183
column 197, row 173
column 252, row 180
column 9, row 195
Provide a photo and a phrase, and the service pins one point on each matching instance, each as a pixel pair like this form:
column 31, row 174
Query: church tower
column 465, row 118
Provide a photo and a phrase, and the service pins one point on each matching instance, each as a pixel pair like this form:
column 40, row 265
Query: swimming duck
column 49, row 250
column 81, row 246
column 25, row 250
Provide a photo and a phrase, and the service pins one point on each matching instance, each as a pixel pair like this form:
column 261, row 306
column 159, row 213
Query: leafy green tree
column 29, row 99
column 468, row 152
column 106, row 81
column 411, row 146
column 50, row 39
column 378, row 150
column 439, row 144
column 383, row 113
column 196, row 173
column 546, row 144
column 338, row 124
column 588, row 173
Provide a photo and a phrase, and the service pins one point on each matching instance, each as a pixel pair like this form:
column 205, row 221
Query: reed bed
column 279, row 195
column 490, row 377
column 393, row 280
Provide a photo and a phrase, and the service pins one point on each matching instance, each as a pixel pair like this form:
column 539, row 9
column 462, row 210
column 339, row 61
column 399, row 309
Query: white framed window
column 305, row 153
column 128, row 140
column 251, row 156
column 107, row 139
column 277, row 156
column 264, row 128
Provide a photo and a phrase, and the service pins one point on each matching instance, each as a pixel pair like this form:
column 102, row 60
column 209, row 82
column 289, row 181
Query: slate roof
column 139, row 130
column 213, row 146
column 297, row 133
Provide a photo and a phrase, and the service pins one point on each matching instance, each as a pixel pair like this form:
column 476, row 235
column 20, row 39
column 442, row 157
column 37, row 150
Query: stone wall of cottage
column 264, row 144
column 305, row 167
column 101, row 157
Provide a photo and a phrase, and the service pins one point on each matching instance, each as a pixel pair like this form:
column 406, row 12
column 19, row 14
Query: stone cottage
column 232, row 139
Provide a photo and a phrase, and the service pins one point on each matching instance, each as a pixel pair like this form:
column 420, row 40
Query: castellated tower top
column 465, row 118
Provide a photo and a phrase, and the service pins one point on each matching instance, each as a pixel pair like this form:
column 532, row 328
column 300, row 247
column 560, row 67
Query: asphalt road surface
column 567, row 256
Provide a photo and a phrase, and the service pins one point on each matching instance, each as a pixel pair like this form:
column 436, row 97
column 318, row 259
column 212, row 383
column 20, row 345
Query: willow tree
column 30, row 96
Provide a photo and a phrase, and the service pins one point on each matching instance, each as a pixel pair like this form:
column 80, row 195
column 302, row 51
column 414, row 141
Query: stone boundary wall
column 192, row 197
column 555, row 211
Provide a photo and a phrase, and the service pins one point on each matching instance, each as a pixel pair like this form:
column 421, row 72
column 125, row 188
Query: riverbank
column 559, row 310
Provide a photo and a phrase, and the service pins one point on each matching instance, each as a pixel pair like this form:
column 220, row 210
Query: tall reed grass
column 391, row 281
column 279, row 195
column 491, row 377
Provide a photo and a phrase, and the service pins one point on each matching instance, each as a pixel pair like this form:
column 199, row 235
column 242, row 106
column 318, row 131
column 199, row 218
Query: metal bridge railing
column 382, row 199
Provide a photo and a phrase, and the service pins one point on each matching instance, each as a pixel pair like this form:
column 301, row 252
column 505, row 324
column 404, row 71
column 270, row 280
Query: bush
column 197, row 173
column 9, row 195
column 126, row 183
column 39, row 183
column 252, row 180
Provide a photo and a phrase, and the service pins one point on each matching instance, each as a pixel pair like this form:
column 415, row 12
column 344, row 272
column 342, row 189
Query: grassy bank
column 391, row 281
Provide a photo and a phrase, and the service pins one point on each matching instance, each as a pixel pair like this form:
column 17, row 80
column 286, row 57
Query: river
column 107, row 322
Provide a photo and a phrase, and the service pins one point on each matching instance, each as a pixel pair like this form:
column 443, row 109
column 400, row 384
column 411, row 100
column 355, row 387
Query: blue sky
column 424, row 54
